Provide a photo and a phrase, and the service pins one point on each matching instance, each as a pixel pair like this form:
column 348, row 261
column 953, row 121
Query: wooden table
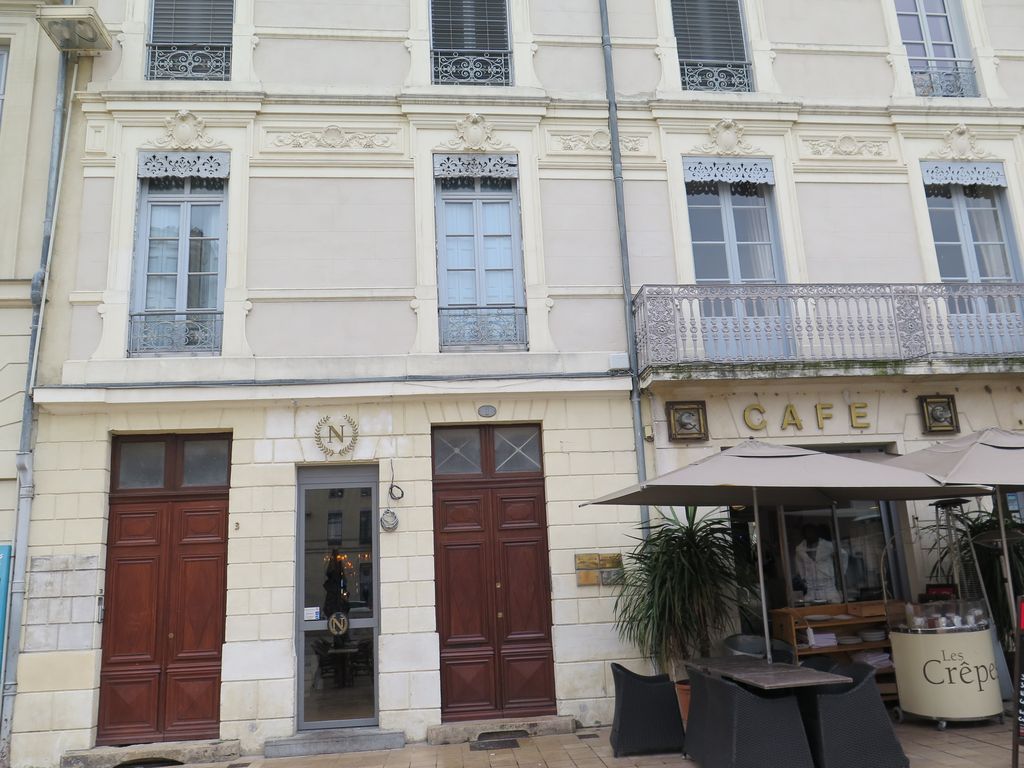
column 758, row 673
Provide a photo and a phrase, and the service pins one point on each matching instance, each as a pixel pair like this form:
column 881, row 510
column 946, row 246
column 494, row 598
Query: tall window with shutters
column 712, row 47
column 469, row 42
column 190, row 40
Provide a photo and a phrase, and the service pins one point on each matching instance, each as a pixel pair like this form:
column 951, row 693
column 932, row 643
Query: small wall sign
column 939, row 414
column 336, row 438
column 687, row 421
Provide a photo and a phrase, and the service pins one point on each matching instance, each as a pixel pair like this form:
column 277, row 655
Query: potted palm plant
column 681, row 589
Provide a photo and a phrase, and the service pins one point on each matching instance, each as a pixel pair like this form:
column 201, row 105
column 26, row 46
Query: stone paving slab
column 960, row 746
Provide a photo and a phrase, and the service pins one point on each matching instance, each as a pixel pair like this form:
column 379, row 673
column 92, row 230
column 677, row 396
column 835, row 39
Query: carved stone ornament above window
column 183, row 165
column 476, row 134
column 185, row 130
column 847, row 146
column 960, row 143
column 476, row 166
column 726, row 138
column 988, row 174
column 332, row 137
column 728, row 169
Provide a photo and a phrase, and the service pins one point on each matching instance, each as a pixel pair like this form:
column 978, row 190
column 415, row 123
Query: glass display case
column 945, row 616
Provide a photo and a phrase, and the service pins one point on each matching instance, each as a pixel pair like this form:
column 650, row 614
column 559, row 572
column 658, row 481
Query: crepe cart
column 945, row 667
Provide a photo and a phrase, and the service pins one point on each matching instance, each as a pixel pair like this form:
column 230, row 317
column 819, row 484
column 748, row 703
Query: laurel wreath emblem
column 326, row 449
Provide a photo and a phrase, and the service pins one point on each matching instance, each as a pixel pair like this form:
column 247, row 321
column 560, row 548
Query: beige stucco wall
column 587, row 442
column 856, row 233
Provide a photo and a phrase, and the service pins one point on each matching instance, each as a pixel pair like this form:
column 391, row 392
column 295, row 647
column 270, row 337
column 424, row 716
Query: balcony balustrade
column 467, row 327
column 189, row 62
column 174, row 333
column 472, row 67
column 736, row 324
column 708, row 75
column 951, row 78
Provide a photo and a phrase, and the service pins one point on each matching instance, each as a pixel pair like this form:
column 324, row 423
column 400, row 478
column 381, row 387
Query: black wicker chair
column 647, row 716
column 847, row 724
column 732, row 727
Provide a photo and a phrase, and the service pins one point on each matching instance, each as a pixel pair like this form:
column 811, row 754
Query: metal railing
column 452, row 67
column 189, row 62
column 463, row 327
column 716, row 75
column 953, row 78
column 174, row 333
column 695, row 324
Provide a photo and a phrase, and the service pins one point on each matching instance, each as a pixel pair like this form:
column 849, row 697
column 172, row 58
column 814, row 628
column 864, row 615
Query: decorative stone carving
column 332, row 137
column 960, row 143
column 726, row 138
column 476, row 134
column 847, row 146
column 183, row 165
column 476, row 166
column 728, row 170
column 988, row 174
column 185, row 130
column 599, row 140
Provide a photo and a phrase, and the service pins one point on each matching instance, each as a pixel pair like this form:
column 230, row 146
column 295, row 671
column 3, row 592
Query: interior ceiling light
column 74, row 29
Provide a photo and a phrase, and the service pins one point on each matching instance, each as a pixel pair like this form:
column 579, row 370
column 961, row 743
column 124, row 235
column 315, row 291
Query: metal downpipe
column 627, row 287
column 24, row 459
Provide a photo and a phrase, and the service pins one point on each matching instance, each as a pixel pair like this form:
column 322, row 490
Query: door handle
column 170, row 635
column 501, row 615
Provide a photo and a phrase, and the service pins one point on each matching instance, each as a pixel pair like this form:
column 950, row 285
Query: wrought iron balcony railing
column 189, row 62
column 716, row 75
column 472, row 67
column 174, row 333
column 464, row 327
column 954, row 78
column 698, row 324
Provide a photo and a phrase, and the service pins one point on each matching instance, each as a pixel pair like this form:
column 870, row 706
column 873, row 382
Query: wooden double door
column 494, row 591
column 163, row 623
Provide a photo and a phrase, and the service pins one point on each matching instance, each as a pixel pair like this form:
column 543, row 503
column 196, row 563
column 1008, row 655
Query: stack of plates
column 849, row 640
column 872, row 635
column 819, row 617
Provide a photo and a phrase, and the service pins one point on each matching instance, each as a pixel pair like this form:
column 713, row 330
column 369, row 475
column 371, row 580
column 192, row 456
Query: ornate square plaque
column 938, row 413
column 687, row 421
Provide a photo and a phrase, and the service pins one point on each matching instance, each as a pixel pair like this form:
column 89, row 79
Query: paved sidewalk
column 961, row 746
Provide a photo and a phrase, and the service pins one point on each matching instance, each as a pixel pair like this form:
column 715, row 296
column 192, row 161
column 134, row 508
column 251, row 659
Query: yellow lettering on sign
column 823, row 412
column 334, row 432
column 791, row 418
column 748, row 417
column 859, row 415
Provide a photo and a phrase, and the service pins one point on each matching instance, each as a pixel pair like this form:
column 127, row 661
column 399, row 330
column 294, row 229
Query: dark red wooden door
column 493, row 596
column 164, row 621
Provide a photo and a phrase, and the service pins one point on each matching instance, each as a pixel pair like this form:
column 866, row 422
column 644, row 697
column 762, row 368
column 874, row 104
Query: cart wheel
column 897, row 714
column 941, row 725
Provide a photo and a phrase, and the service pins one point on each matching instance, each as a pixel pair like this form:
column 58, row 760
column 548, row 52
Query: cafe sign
column 758, row 418
column 336, row 437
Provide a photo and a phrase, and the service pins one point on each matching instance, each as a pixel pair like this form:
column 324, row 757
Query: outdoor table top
column 760, row 674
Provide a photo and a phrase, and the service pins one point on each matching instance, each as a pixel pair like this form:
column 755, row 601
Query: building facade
column 336, row 326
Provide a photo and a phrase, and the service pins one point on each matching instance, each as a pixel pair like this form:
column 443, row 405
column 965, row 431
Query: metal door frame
column 315, row 478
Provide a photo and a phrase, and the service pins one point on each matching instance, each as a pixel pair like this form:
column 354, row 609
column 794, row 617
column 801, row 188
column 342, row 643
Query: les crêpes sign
column 757, row 418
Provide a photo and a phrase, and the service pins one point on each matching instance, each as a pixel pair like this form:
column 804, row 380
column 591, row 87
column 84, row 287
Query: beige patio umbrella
column 754, row 473
column 993, row 457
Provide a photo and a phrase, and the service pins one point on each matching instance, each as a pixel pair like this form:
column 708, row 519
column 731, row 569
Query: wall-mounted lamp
column 74, row 29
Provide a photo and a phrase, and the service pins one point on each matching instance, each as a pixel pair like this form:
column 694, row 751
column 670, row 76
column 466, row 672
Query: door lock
column 170, row 635
column 501, row 615
column 498, row 585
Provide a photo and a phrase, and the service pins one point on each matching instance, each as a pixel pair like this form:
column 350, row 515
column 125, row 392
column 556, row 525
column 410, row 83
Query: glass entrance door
column 338, row 598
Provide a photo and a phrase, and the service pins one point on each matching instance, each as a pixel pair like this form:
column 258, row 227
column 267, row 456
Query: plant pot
column 683, row 694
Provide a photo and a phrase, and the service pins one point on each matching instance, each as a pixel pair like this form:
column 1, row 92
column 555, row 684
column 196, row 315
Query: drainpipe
column 26, row 488
column 627, row 287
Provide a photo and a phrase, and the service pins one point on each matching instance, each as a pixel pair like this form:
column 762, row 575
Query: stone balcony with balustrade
column 786, row 331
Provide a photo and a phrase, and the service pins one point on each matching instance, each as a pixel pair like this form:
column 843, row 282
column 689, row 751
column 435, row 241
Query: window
column 734, row 247
column 191, row 40
column 712, row 51
column 179, row 284
column 3, row 77
column 976, row 312
column 930, row 31
column 480, row 264
column 470, row 42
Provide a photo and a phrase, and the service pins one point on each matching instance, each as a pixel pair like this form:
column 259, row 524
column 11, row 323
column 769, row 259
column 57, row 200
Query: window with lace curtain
column 969, row 225
column 177, row 304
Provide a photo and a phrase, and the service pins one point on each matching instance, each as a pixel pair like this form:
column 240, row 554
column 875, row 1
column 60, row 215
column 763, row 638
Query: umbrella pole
column 1006, row 554
column 760, row 576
